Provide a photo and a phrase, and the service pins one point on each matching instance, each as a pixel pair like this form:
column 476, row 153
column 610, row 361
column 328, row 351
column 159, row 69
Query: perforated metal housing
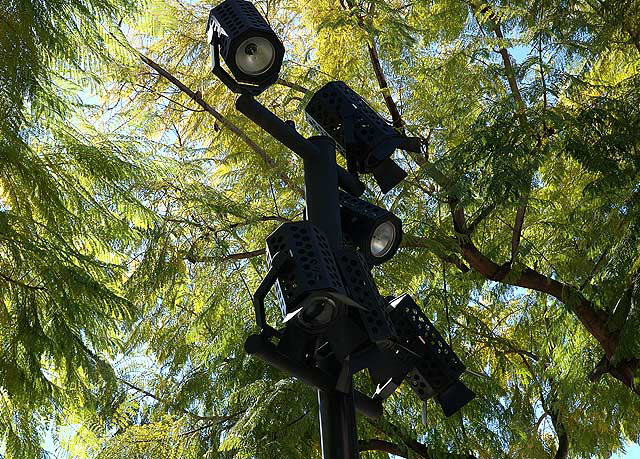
column 336, row 107
column 359, row 221
column 231, row 23
column 313, row 267
column 438, row 367
column 361, row 288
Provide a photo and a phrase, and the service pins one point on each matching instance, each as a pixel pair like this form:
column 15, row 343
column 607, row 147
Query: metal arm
column 261, row 347
column 292, row 139
column 278, row 262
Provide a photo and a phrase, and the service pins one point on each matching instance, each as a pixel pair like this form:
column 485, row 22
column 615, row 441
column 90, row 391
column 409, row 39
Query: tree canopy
column 135, row 200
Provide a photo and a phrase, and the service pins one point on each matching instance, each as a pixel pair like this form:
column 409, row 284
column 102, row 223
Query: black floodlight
column 380, row 355
column 307, row 281
column 362, row 136
column 326, row 298
column 376, row 231
column 353, row 340
column 366, row 324
column 249, row 47
column 437, row 368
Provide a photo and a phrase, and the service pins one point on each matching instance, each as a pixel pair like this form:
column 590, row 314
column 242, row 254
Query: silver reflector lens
column 255, row 55
column 382, row 240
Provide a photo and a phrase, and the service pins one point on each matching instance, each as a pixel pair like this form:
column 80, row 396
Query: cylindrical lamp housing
column 374, row 230
column 361, row 288
column 340, row 112
column 386, row 367
column 312, row 276
column 247, row 44
column 365, row 138
column 437, row 371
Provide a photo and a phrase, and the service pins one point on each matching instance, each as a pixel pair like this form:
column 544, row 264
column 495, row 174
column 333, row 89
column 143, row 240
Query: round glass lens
column 317, row 313
column 255, row 55
column 383, row 238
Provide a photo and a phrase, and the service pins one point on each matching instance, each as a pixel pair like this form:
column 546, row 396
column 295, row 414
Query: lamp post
column 337, row 407
column 336, row 323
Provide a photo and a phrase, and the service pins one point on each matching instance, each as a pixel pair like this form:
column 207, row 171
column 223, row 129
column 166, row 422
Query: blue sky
column 633, row 452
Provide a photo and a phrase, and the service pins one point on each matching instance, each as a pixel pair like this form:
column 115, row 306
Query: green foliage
column 131, row 223
column 69, row 219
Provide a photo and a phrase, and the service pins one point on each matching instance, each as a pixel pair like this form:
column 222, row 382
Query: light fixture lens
column 255, row 56
column 318, row 312
column 382, row 239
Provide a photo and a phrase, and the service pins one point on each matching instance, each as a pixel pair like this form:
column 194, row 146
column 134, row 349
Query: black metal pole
column 338, row 432
column 321, row 189
column 322, row 175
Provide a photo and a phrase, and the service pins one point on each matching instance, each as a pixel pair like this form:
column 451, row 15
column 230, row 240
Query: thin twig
column 234, row 256
column 21, row 284
column 172, row 404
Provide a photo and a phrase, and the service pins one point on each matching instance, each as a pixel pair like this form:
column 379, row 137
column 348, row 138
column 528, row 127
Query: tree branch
column 244, row 255
column 204, row 226
column 563, row 439
column 175, row 102
column 21, row 284
column 481, row 329
column 596, row 265
column 197, row 97
column 563, row 443
column 494, row 21
column 296, row 420
column 294, row 86
column 266, row 218
column 517, row 226
column 627, row 202
column 414, row 242
column 388, row 428
column 396, row 118
column 382, row 445
column 539, row 421
column 484, row 213
column 520, row 113
column 601, row 369
column 211, row 424
column 594, row 320
column 173, row 404
column 234, row 256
